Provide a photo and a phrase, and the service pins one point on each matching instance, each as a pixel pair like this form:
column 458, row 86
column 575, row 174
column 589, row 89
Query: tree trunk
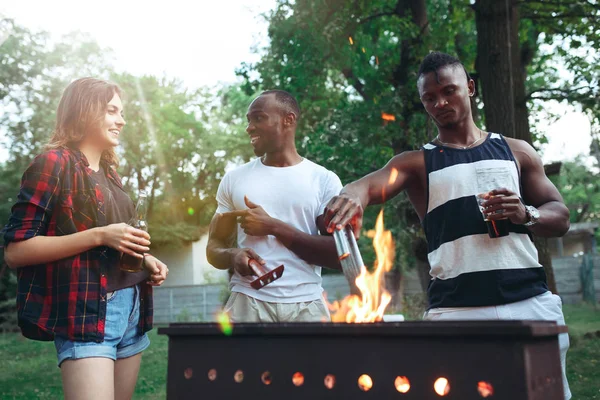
column 502, row 76
column 394, row 283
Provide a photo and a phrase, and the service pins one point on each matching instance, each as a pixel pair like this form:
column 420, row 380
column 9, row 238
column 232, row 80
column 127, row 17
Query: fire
column 485, row 389
column 441, row 386
column 388, row 117
column 374, row 299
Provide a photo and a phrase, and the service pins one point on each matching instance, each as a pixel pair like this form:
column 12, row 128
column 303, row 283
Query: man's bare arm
column 220, row 250
column 375, row 188
column 540, row 192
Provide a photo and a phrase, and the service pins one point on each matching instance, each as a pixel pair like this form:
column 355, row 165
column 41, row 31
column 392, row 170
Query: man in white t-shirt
column 279, row 198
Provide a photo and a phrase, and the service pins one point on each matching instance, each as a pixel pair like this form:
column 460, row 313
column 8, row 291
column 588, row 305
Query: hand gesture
column 254, row 221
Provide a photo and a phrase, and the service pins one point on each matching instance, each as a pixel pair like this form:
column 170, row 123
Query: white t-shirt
column 296, row 195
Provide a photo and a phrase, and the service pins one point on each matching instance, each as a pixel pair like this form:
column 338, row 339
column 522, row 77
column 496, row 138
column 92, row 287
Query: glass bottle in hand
column 128, row 262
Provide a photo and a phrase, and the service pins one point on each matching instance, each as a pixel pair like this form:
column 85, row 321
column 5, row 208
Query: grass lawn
column 29, row 368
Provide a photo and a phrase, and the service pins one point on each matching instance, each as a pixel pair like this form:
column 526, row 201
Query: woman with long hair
column 65, row 236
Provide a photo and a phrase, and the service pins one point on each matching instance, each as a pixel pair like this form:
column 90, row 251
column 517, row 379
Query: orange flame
column 388, row 117
column 374, row 299
column 350, row 40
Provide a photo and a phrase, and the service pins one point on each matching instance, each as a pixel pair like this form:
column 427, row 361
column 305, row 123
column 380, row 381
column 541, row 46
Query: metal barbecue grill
column 408, row 360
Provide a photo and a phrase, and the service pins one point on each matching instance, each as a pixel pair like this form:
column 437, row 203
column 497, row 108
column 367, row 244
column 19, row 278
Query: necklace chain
column 459, row 146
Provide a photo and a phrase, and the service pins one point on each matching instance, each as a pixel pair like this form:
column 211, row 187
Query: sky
column 203, row 42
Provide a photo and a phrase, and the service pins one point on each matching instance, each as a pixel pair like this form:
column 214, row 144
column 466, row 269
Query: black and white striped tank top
column 468, row 268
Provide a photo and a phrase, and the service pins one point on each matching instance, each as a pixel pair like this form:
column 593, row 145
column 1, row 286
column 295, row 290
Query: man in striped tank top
column 477, row 273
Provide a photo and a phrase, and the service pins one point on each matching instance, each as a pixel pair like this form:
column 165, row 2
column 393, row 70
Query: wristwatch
column 533, row 215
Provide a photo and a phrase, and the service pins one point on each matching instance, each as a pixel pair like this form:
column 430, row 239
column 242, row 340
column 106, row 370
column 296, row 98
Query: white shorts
column 545, row 307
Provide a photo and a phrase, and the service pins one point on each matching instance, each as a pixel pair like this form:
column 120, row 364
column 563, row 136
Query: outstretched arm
column 375, row 188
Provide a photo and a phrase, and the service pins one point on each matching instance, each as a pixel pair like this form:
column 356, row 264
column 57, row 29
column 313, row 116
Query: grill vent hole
column 238, row 377
column 298, row 379
column 365, row 383
column 212, row 375
column 441, row 386
column 485, row 389
column 402, row 384
column 266, row 378
column 329, row 381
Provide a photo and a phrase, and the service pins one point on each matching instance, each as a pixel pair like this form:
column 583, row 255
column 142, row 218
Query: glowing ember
column 365, row 383
column 485, row 389
column 374, row 299
column 441, row 386
column 225, row 323
column 350, row 40
column 388, row 117
column 298, row 379
column 402, row 384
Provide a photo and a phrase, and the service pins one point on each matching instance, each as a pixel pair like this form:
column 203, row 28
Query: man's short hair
column 436, row 60
column 287, row 102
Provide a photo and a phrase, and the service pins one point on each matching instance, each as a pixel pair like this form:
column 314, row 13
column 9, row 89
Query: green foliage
column 580, row 189
column 350, row 62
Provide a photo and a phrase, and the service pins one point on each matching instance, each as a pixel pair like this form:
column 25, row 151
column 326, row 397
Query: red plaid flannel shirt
column 65, row 297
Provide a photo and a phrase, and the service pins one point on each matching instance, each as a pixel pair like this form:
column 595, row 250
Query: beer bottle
column 128, row 262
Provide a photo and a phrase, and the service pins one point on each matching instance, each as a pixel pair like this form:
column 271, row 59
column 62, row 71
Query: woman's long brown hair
column 81, row 110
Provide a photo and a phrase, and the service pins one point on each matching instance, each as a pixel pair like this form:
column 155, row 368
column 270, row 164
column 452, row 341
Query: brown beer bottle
column 128, row 262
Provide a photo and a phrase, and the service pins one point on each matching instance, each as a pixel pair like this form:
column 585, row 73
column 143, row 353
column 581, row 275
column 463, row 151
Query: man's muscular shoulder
column 411, row 164
column 409, row 159
column 524, row 153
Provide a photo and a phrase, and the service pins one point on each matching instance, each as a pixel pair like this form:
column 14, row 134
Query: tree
column 580, row 188
column 176, row 143
column 508, row 49
column 353, row 65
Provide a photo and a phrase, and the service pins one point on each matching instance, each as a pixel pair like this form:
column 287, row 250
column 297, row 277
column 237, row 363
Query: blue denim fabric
column 121, row 337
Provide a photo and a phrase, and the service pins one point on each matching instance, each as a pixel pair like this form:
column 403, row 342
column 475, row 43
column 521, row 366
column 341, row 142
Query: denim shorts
column 121, row 338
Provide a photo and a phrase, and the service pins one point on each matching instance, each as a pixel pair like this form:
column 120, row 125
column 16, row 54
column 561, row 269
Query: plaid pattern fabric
column 65, row 297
